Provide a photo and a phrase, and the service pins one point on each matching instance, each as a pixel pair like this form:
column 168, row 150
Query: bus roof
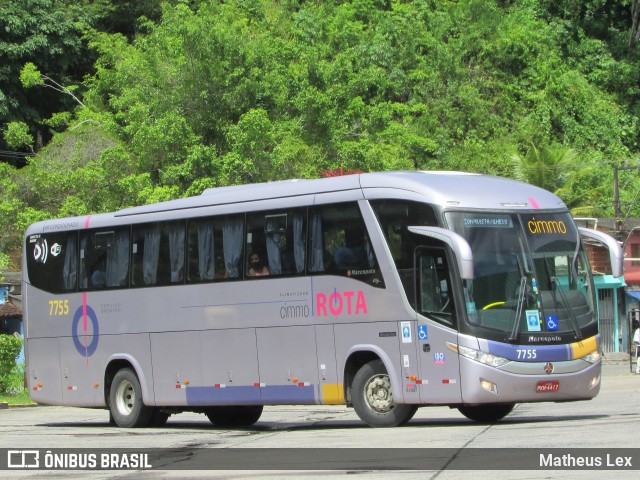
column 455, row 189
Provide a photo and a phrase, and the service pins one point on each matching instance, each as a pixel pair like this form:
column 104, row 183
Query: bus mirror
column 460, row 247
column 616, row 257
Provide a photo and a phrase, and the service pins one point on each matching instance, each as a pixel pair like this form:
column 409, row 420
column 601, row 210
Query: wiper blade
column 564, row 305
column 518, row 319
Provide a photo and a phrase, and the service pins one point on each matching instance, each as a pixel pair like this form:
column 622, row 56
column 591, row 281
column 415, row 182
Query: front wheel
column 487, row 413
column 125, row 401
column 373, row 400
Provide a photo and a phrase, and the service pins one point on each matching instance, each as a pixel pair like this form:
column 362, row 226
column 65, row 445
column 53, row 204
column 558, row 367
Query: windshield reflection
column 529, row 274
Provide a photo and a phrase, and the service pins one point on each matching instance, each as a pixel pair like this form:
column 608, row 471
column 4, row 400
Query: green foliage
column 206, row 93
column 46, row 35
column 546, row 167
column 17, row 135
column 4, row 264
column 9, row 349
column 30, row 76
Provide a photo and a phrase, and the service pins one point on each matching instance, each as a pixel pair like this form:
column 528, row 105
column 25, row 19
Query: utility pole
column 617, row 214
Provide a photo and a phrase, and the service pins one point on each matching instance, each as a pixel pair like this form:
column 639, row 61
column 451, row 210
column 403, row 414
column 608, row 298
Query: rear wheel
column 125, row 401
column 234, row 416
column 373, row 400
column 487, row 413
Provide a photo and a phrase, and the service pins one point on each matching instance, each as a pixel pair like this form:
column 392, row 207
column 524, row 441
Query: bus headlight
column 593, row 357
column 482, row 357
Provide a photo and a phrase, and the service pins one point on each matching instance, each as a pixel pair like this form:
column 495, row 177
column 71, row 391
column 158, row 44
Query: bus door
column 439, row 368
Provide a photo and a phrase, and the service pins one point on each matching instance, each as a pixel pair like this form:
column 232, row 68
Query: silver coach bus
column 383, row 291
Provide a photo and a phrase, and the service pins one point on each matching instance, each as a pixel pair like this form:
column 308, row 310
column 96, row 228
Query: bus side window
column 394, row 217
column 433, row 292
column 201, row 250
column 277, row 239
column 158, row 253
column 52, row 261
column 104, row 259
column 339, row 243
column 215, row 248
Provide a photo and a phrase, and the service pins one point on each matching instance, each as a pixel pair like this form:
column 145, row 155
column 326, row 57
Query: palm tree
column 559, row 170
column 546, row 167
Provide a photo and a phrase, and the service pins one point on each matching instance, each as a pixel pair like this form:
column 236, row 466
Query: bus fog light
column 489, row 386
column 594, row 382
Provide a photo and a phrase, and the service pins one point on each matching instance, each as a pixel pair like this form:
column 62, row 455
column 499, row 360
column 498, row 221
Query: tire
column 488, row 413
column 235, row 416
column 373, row 400
column 125, row 401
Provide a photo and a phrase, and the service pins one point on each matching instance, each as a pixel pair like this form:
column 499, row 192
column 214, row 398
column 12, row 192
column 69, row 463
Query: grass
column 19, row 398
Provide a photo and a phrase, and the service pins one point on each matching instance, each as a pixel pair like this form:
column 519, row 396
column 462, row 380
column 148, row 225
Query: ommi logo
column 542, row 227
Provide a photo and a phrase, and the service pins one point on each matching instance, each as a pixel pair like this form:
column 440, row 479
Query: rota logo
column 337, row 303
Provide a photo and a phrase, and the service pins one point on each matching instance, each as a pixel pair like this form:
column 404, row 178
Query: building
column 11, row 308
column 618, row 299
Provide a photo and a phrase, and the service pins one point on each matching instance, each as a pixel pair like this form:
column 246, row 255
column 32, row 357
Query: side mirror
column 460, row 247
column 616, row 256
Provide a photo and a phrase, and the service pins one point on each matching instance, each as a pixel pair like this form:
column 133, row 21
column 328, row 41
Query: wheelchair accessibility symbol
column 552, row 323
column 423, row 333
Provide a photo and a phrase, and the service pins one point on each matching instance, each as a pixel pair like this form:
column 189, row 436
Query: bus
column 383, row 291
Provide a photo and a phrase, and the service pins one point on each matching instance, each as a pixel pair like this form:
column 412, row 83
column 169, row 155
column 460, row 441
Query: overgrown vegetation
column 127, row 103
column 11, row 374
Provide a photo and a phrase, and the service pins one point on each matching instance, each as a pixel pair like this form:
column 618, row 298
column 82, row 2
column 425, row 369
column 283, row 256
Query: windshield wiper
column 518, row 319
column 564, row 304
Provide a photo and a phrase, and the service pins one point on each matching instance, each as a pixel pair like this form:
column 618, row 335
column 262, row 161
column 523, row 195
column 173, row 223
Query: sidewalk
column 613, row 358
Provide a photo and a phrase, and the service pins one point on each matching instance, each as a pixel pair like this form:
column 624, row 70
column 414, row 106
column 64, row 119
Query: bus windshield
column 530, row 276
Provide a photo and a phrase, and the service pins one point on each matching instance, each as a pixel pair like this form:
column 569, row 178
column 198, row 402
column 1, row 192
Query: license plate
column 548, row 386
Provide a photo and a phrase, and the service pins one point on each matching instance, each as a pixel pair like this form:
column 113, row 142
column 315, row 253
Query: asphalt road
column 608, row 424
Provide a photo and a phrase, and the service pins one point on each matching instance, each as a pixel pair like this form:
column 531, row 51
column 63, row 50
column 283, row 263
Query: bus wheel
column 125, row 401
column 373, row 400
column 486, row 413
column 236, row 416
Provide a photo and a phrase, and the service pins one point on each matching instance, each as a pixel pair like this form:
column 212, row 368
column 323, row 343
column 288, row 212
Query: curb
column 4, row 406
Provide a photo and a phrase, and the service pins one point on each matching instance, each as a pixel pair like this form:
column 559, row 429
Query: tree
column 49, row 36
column 635, row 23
column 547, row 167
column 214, row 92
column 47, row 33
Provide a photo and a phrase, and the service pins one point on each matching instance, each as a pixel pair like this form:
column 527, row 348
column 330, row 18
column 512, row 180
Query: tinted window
column 394, row 217
column 52, row 261
column 104, row 258
column 158, row 254
column 339, row 244
column 215, row 248
column 276, row 243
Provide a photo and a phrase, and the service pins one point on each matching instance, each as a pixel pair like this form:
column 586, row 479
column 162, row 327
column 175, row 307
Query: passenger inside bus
column 98, row 278
column 257, row 267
